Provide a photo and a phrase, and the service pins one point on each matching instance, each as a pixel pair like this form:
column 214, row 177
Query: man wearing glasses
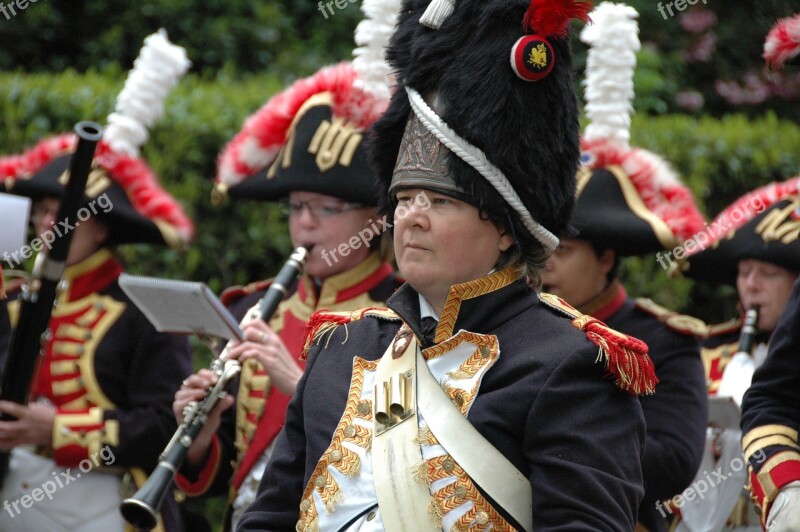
column 303, row 148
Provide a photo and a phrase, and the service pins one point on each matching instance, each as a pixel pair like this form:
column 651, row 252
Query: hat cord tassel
column 437, row 12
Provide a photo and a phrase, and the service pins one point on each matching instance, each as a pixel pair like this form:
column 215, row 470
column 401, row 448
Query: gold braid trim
column 469, row 290
column 347, row 462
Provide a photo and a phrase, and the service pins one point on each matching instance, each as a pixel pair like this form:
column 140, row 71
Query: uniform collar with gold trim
column 606, row 303
column 89, row 276
column 477, row 305
column 346, row 285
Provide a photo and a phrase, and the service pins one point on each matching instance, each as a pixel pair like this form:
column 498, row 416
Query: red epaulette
column 721, row 329
column 324, row 322
column 681, row 323
column 625, row 357
column 235, row 293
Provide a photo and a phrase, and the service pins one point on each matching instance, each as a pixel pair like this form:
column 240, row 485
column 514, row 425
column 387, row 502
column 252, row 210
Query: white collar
column 425, row 309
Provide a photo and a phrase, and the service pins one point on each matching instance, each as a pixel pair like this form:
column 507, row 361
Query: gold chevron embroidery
column 486, row 352
column 469, row 290
column 338, row 456
column 460, row 492
column 780, row 224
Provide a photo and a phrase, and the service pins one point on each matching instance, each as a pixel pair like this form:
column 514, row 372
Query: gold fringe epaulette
column 324, row 323
column 681, row 323
column 235, row 293
column 625, row 357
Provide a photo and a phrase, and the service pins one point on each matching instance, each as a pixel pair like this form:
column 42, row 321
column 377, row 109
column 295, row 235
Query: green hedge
column 720, row 159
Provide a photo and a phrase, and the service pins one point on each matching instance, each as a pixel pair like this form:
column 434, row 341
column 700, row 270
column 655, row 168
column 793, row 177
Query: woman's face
column 443, row 241
column 333, row 227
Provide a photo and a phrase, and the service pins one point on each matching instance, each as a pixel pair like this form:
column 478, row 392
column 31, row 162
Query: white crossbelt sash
column 395, row 451
column 480, row 459
column 402, row 500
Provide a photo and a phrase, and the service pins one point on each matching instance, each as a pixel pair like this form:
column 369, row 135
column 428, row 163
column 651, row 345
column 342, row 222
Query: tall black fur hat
column 499, row 76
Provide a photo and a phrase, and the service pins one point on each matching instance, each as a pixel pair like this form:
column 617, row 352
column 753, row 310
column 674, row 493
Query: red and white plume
column 755, row 202
column 131, row 173
column 361, row 90
column 783, row 42
column 655, row 181
column 613, row 39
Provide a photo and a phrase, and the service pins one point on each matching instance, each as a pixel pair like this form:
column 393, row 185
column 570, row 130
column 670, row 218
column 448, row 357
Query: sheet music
column 181, row 306
column 14, row 212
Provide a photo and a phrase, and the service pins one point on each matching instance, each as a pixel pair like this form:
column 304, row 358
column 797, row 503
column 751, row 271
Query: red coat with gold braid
column 110, row 375
column 261, row 409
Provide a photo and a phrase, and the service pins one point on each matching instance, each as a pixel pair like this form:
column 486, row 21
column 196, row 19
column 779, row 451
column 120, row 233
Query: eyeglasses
column 318, row 209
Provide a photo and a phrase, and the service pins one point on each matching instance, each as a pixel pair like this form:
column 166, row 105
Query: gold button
column 482, row 518
column 448, row 464
column 305, row 505
column 371, row 516
column 350, row 431
column 461, row 492
column 300, row 526
column 363, row 408
column 320, row 481
column 336, row 455
column 485, row 351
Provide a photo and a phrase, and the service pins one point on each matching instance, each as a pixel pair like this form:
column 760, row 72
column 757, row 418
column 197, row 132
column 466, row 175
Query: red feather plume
column 550, row 17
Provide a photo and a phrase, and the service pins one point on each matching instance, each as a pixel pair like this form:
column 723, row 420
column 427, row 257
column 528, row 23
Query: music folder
column 182, row 307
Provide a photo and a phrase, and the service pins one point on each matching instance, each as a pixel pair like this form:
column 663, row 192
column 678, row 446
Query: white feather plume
column 141, row 103
column 372, row 37
column 613, row 39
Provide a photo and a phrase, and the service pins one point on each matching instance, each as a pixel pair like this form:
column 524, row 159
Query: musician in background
column 313, row 161
column 100, row 400
column 631, row 203
column 771, row 406
column 754, row 247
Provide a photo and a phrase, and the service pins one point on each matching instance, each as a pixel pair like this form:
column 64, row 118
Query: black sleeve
column 584, row 440
column 277, row 504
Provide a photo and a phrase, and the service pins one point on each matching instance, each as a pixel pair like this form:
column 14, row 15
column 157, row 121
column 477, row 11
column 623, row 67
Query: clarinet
column 143, row 508
column 747, row 337
column 39, row 295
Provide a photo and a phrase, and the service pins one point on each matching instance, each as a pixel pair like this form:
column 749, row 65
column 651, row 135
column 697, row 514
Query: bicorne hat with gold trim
column 782, row 45
column 310, row 136
column 485, row 110
column 629, row 199
column 763, row 224
column 123, row 189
